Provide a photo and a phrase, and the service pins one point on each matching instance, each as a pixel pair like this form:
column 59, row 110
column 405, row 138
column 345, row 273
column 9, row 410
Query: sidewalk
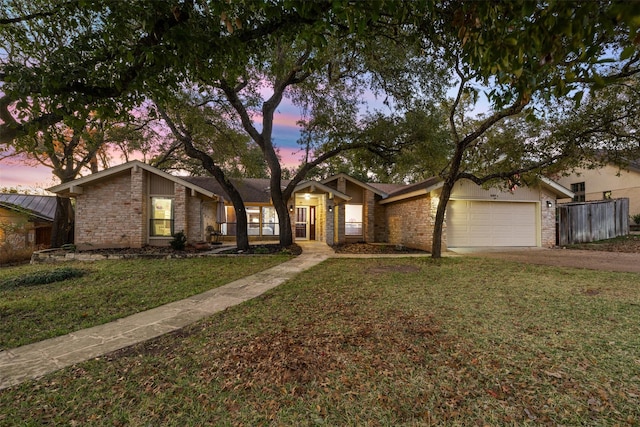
column 38, row 359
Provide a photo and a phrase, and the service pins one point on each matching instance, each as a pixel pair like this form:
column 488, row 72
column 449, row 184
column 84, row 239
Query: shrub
column 10, row 254
column 179, row 241
column 42, row 277
column 636, row 218
column 261, row 250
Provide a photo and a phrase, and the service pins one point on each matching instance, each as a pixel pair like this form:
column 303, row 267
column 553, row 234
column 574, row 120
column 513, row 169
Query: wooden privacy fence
column 591, row 221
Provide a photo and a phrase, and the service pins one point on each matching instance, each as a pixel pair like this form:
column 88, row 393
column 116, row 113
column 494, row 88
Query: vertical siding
column 591, row 221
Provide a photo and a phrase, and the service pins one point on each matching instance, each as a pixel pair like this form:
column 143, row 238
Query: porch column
column 329, row 221
column 340, row 213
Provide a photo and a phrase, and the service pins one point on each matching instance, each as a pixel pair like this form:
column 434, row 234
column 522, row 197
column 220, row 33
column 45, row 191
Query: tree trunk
column 286, row 235
column 445, row 194
column 242, row 234
column 62, row 229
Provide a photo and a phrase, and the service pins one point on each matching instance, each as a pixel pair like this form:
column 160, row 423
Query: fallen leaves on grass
column 623, row 244
column 309, row 353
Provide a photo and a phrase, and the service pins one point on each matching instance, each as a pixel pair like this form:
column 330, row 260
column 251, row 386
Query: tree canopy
column 519, row 56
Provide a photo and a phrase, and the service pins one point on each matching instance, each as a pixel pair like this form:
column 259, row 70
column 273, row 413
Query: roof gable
column 75, row 186
column 413, row 190
column 355, row 181
column 314, row 185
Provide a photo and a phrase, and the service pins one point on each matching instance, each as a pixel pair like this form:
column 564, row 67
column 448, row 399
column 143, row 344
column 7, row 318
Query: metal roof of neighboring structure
column 41, row 207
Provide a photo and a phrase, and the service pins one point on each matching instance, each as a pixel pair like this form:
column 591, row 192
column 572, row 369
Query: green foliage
column 110, row 290
column 42, row 277
column 636, row 218
column 179, row 241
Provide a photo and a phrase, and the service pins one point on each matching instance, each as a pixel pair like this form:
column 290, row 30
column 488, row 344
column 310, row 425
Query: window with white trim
column 161, row 217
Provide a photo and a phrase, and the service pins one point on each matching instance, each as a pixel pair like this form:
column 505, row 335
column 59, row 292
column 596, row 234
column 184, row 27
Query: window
column 353, row 220
column 253, row 220
column 270, row 225
column 161, row 217
column 606, row 195
column 579, row 192
column 261, row 221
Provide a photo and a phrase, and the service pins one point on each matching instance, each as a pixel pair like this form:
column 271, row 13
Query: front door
column 302, row 223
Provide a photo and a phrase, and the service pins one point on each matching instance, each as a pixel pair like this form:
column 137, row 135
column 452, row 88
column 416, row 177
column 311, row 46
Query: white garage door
column 490, row 224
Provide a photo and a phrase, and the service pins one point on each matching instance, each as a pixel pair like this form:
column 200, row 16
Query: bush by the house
column 179, row 241
column 42, row 277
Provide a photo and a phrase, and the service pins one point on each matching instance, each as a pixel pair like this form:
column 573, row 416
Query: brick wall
column 107, row 215
column 194, row 218
column 380, row 221
column 368, row 216
column 139, row 202
column 410, row 222
column 548, row 221
column 180, row 210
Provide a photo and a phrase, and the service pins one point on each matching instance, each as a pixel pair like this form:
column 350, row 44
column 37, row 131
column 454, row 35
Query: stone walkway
column 35, row 360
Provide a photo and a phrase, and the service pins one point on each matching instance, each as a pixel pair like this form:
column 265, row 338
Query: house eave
column 75, row 187
column 556, row 188
column 322, row 187
column 416, row 193
column 356, row 182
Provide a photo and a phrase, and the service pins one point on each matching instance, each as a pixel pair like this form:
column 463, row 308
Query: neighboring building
column 26, row 220
column 607, row 182
column 134, row 204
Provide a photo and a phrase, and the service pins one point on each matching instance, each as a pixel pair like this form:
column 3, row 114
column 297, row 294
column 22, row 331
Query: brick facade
column 369, row 217
column 548, row 221
column 106, row 215
column 410, row 222
column 116, row 212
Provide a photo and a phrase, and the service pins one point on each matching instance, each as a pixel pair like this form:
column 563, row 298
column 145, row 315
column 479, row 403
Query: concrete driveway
column 593, row 260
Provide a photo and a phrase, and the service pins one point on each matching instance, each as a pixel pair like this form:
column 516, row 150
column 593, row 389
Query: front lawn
column 108, row 290
column 376, row 342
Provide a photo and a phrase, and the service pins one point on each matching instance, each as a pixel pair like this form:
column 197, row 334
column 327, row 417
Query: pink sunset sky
column 16, row 173
column 24, row 175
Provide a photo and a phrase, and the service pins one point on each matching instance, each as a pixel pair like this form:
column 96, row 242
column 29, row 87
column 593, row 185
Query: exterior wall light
column 549, row 204
column 290, row 208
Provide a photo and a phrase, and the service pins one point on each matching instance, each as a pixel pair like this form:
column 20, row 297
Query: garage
column 485, row 223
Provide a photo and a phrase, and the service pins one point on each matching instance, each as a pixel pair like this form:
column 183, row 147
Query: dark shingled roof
column 256, row 190
column 387, row 188
column 429, row 182
column 252, row 190
column 42, row 207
